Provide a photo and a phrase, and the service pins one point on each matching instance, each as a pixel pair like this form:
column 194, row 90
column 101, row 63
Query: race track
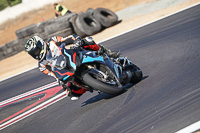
column 165, row 101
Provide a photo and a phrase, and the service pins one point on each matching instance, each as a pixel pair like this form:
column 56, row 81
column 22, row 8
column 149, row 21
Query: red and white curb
column 28, row 93
column 29, row 110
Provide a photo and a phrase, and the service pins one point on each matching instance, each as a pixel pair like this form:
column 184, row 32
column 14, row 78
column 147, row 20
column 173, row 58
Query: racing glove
column 110, row 53
column 101, row 50
column 78, row 42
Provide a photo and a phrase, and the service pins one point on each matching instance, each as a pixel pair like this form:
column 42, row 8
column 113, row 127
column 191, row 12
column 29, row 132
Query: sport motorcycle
column 91, row 71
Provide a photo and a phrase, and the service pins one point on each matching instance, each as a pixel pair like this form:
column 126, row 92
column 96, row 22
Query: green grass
column 6, row 3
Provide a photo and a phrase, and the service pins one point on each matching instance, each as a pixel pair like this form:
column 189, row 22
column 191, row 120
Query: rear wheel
column 99, row 85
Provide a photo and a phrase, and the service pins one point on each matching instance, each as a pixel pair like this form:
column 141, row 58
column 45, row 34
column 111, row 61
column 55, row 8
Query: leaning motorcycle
column 91, row 71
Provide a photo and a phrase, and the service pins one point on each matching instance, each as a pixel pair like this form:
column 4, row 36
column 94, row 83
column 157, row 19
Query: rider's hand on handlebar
column 78, row 42
column 101, row 50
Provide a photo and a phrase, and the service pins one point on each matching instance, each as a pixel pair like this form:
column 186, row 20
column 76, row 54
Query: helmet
column 36, row 47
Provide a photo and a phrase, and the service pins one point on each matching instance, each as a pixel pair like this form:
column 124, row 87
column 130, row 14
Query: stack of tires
column 93, row 21
column 46, row 29
column 9, row 49
column 24, row 33
column 82, row 24
column 60, row 27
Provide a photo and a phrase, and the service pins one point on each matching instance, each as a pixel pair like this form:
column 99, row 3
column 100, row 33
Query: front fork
column 104, row 76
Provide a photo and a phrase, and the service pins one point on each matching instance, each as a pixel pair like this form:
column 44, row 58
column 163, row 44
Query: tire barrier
column 87, row 24
column 40, row 26
column 54, row 27
column 93, row 21
column 10, row 48
column 63, row 33
column 106, row 17
column 76, row 30
column 89, row 11
column 26, row 31
column 82, row 24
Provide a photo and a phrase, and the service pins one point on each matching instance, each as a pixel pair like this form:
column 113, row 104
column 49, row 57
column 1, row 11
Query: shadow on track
column 97, row 98
column 102, row 96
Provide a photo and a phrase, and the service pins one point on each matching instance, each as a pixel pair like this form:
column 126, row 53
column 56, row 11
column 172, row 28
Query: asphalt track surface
column 165, row 101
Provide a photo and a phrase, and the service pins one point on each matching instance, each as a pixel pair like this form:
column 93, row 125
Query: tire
column 43, row 35
column 88, row 24
column 22, row 41
column 55, row 27
column 90, row 11
column 105, row 16
column 26, row 31
column 98, row 85
column 137, row 74
column 63, row 33
column 75, row 28
column 40, row 27
column 14, row 45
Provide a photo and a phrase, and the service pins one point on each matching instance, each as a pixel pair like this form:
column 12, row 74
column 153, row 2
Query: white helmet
column 36, row 47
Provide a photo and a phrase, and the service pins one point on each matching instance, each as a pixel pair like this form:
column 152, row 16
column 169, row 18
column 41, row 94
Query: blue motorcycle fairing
column 90, row 56
column 76, row 57
column 70, row 56
column 62, row 74
column 88, row 59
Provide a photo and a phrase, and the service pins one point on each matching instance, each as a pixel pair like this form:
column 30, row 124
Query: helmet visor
column 35, row 53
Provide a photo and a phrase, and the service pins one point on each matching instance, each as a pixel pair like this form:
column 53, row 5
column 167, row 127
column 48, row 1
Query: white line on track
column 34, row 110
column 28, row 93
column 150, row 22
column 191, row 128
column 18, row 74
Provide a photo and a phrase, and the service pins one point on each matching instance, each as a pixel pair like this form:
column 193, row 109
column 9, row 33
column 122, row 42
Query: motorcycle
column 88, row 70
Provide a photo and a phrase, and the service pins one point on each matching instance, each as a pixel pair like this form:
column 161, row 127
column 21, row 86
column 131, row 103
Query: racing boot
column 89, row 43
column 73, row 91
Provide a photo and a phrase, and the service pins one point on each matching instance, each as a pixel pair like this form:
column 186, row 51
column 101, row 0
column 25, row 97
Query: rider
column 38, row 49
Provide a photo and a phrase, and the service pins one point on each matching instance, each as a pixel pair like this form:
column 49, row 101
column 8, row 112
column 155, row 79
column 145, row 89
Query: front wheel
column 98, row 85
column 137, row 74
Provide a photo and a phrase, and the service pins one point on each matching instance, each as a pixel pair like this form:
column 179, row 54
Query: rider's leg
column 89, row 43
column 73, row 91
